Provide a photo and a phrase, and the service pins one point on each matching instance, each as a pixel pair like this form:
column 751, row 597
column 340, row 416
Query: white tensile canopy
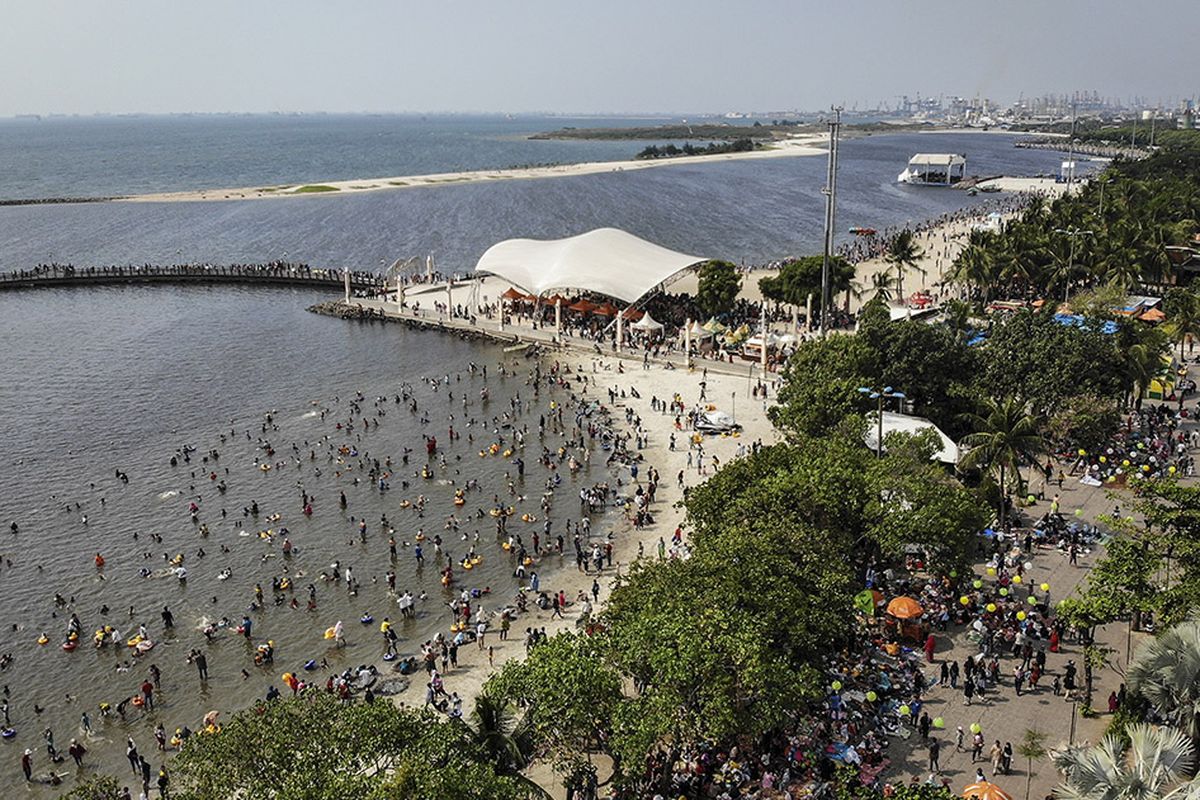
column 906, row 423
column 606, row 261
column 937, row 160
column 647, row 323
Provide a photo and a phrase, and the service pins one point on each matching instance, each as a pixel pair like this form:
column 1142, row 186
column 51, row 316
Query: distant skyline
column 619, row 56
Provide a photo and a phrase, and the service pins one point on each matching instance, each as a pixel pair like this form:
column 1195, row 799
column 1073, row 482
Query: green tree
column 1032, row 748
column 312, row 747
column 820, row 385
column 1166, row 673
column 97, row 787
column 800, row 278
column 571, row 694
column 1006, row 435
column 904, row 254
column 719, row 284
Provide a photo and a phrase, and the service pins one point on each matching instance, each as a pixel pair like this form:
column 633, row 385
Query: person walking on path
column 923, row 725
column 959, row 736
column 27, row 764
column 930, row 646
column 976, row 747
column 935, row 748
column 997, row 753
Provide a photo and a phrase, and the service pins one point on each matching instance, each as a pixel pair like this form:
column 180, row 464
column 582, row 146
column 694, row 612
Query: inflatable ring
column 389, row 656
column 458, row 501
column 310, row 665
column 69, row 646
column 43, row 640
column 8, row 733
column 366, row 619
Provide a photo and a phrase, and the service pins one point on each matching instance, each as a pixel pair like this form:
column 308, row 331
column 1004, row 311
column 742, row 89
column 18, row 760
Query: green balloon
column 872, row 697
column 938, row 722
column 837, row 686
column 1032, row 600
column 978, row 584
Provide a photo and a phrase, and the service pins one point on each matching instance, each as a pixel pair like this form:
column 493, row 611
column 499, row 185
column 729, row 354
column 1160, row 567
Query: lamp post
column 1074, row 233
column 880, row 395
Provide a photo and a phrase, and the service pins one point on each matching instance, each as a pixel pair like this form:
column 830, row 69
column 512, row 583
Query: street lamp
column 1074, row 233
column 1102, row 185
column 880, row 395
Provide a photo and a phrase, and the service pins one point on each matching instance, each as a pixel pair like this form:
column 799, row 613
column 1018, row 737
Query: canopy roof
column 606, row 261
column 936, row 160
column 948, row 454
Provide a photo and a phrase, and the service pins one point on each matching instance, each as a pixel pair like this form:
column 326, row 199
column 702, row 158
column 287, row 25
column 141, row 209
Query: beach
column 804, row 145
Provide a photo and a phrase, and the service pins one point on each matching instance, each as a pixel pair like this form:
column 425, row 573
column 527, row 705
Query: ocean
column 100, row 380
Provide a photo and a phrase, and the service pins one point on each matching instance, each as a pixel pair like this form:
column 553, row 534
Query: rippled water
column 120, row 379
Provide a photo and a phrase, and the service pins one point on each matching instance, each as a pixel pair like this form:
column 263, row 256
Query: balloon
column 938, row 722
column 872, row 697
column 953, row 573
column 1028, row 565
column 966, row 601
column 1003, row 592
column 904, row 710
column 1045, row 587
column 1079, row 512
column 1103, row 459
column 1031, row 499
column 1032, row 600
column 991, row 570
column 1125, row 463
column 978, row 584
column 976, row 727
column 837, row 686
column 1145, row 467
column 1171, row 470
column 1021, row 615
column 991, row 607
column 1016, row 578
column 1082, row 452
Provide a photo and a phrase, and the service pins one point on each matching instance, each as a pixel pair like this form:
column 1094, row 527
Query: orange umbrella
column 985, row 790
column 904, row 608
column 608, row 310
column 512, row 294
column 583, row 306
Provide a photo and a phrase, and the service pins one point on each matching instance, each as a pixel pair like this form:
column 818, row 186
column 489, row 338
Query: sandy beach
column 804, row 145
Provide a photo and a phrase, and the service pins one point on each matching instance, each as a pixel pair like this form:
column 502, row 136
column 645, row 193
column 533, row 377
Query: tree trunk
column 1003, row 508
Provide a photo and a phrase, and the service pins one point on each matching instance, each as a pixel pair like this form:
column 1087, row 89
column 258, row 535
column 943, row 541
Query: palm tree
column 881, row 282
column 1166, row 673
column 1005, row 435
column 1183, row 316
column 1032, row 748
column 904, row 254
column 504, row 737
column 1156, row 757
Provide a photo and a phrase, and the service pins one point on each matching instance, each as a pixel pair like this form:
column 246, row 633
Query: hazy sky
column 577, row 56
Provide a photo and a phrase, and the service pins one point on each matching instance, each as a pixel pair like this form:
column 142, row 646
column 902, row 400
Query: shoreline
column 807, row 145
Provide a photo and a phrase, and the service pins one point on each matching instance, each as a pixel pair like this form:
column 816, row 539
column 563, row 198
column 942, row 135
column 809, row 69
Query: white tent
column 948, row 454
column 606, row 261
column 646, row 324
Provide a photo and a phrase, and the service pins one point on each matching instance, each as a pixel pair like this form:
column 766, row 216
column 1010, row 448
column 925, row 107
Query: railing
column 285, row 274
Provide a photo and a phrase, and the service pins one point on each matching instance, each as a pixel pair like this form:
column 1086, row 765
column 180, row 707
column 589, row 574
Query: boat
column 934, row 169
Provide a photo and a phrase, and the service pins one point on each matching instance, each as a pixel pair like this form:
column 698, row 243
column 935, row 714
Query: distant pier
column 272, row 274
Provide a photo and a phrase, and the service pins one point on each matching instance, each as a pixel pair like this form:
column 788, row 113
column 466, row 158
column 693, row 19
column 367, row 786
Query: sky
column 572, row 56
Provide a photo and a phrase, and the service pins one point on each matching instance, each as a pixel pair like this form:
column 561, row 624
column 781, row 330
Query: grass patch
column 314, row 188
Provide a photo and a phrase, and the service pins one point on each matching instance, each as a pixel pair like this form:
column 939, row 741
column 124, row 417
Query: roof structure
column 606, row 261
column 906, row 423
column 937, row 160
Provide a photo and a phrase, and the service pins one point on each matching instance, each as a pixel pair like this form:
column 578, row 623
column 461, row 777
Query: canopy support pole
column 558, row 317
column 687, row 341
column 346, row 284
column 620, row 328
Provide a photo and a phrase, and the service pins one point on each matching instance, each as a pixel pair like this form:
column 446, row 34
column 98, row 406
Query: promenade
column 273, row 274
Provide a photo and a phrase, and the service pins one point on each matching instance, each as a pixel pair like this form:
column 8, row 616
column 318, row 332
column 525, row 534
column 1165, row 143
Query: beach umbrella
column 512, row 294
column 582, row 306
column 985, row 790
column 606, row 310
column 904, row 608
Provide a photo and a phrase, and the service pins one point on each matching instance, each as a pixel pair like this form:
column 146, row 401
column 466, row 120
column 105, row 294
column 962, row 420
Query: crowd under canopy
column 605, row 261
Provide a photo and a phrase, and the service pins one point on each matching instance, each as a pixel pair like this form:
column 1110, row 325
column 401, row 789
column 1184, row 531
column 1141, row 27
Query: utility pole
column 830, row 192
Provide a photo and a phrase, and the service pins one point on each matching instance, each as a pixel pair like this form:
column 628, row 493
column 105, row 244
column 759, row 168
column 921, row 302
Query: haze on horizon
column 619, row 56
